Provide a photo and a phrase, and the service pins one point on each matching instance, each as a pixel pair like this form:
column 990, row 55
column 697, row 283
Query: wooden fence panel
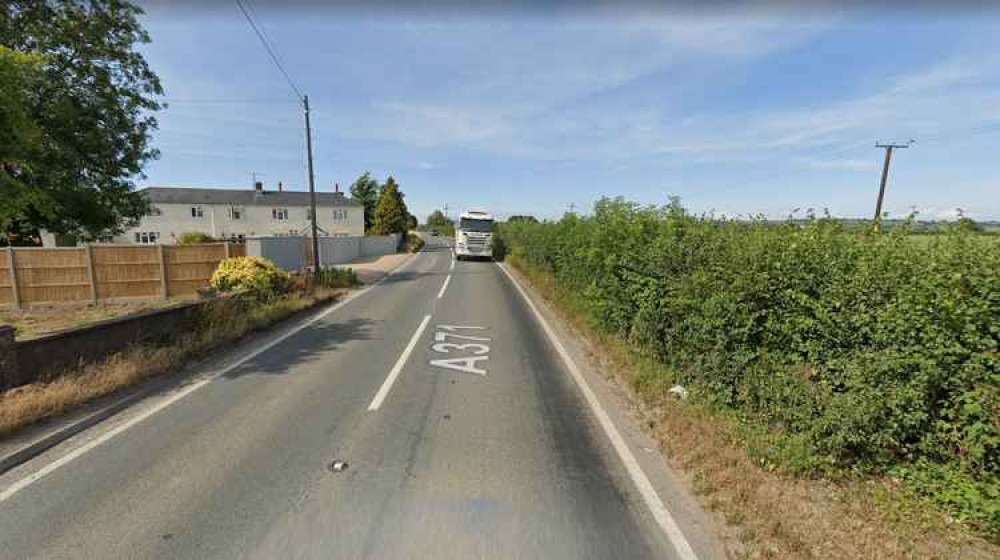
column 6, row 290
column 52, row 275
column 190, row 267
column 126, row 271
column 120, row 272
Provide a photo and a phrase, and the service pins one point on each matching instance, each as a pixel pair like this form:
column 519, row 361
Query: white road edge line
column 23, row 483
column 649, row 495
column 444, row 286
column 383, row 391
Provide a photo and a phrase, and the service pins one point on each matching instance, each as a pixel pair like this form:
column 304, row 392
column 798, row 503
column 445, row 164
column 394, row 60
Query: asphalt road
column 475, row 444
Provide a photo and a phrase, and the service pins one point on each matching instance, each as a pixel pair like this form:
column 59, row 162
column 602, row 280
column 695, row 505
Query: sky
column 736, row 111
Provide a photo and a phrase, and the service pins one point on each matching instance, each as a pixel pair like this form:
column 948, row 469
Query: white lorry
column 474, row 235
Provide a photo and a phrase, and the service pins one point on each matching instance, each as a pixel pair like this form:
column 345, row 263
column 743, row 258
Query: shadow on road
column 305, row 346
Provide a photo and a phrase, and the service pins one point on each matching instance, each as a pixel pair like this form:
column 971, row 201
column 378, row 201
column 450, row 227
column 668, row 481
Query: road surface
column 462, row 433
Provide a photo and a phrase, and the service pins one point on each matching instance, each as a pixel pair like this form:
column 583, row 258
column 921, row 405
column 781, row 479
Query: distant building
column 237, row 214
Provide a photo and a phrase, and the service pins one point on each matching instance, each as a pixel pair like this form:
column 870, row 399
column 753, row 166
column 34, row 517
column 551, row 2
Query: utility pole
column 572, row 208
column 885, row 175
column 312, row 187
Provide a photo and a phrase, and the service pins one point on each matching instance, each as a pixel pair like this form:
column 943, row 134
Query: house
column 236, row 214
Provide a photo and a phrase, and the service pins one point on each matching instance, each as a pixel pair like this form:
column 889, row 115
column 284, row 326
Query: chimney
column 258, row 187
column 336, row 187
column 281, row 188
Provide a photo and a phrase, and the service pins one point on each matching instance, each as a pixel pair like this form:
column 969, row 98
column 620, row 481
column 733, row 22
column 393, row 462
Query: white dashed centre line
column 444, row 286
column 383, row 391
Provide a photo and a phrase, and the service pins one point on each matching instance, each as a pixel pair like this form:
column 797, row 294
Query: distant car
column 435, row 232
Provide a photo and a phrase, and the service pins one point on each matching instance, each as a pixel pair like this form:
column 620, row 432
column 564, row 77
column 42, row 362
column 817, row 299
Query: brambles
column 862, row 354
column 250, row 274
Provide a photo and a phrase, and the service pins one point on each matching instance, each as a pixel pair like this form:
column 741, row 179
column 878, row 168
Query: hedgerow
column 860, row 353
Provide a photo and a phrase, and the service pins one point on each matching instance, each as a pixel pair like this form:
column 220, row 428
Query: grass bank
column 219, row 322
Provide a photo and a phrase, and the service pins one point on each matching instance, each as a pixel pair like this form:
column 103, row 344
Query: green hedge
column 854, row 352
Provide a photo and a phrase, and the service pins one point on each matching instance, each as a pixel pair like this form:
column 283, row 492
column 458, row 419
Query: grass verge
column 222, row 321
column 776, row 514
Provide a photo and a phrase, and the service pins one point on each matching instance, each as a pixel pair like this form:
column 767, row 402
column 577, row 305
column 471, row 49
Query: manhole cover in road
column 338, row 466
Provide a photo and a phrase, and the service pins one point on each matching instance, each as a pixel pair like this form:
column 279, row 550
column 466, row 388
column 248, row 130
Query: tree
column 20, row 137
column 365, row 191
column 437, row 220
column 390, row 211
column 519, row 218
column 92, row 106
column 411, row 222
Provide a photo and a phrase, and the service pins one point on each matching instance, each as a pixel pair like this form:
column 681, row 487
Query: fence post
column 12, row 268
column 163, row 270
column 90, row 272
column 228, row 250
column 9, row 374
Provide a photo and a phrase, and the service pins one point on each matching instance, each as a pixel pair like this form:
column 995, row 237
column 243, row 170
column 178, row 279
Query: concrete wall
column 290, row 253
column 379, row 245
column 286, row 252
column 28, row 361
column 339, row 250
column 255, row 221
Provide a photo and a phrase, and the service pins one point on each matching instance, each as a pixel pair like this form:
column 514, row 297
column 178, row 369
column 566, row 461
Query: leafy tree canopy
column 365, row 191
column 76, row 105
column 390, row 211
column 437, row 220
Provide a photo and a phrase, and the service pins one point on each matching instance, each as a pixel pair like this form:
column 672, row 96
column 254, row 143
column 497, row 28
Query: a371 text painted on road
column 469, row 349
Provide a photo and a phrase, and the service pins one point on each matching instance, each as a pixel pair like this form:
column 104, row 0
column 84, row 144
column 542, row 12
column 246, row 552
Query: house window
column 197, row 212
column 147, row 237
column 279, row 214
column 235, row 213
column 340, row 214
column 155, row 211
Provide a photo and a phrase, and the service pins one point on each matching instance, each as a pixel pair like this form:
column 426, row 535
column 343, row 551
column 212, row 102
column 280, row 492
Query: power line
column 233, row 101
column 270, row 51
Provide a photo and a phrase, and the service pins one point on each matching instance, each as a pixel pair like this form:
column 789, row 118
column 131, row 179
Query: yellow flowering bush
column 251, row 274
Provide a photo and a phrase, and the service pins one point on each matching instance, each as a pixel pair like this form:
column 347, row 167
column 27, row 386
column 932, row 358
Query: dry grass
column 776, row 515
column 225, row 323
column 36, row 321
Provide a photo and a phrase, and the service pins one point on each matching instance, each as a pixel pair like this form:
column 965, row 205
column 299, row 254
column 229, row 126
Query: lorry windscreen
column 472, row 224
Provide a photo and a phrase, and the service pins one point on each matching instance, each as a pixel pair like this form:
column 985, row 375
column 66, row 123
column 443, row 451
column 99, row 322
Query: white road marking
column 443, row 337
column 394, row 373
column 444, row 286
column 468, row 365
column 452, row 265
column 23, row 483
column 649, row 495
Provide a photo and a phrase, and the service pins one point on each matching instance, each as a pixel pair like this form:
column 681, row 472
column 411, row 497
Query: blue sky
column 521, row 112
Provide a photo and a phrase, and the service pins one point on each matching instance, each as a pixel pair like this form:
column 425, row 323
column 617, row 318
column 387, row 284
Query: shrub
column 878, row 353
column 194, row 238
column 414, row 242
column 255, row 275
column 337, row 278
